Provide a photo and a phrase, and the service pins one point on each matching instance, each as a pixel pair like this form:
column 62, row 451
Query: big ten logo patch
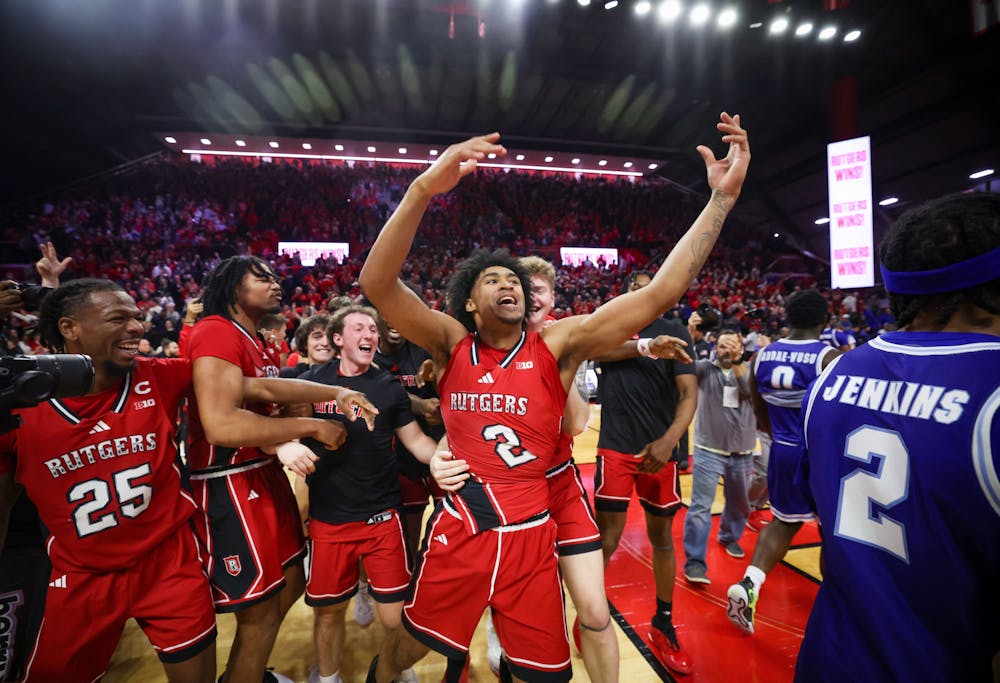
column 9, row 602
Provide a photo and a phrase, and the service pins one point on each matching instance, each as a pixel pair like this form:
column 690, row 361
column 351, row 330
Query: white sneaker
column 493, row 649
column 407, row 676
column 364, row 606
column 314, row 675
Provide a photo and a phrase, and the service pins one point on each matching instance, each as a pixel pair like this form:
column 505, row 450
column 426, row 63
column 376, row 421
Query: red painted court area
column 718, row 650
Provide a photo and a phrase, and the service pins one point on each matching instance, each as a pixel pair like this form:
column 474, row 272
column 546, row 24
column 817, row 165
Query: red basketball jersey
column 220, row 337
column 502, row 411
column 103, row 469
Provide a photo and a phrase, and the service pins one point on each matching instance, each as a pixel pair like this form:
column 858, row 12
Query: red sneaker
column 759, row 519
column 675, row 658
column 576, row 635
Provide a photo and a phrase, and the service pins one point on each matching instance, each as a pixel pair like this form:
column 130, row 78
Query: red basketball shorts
column 617, row 476
column 416, row 491
column 249, row 523
column 166, row 592
column 336, row 548
column 514, row 570
column 576, row 528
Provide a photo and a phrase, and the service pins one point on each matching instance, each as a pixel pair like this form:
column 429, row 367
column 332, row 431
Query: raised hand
column 49, row 267
column 726, row 175
column 456, row 162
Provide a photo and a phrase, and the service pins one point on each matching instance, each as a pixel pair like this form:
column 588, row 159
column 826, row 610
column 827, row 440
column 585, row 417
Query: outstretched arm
column 575, row 339
column 432, row 330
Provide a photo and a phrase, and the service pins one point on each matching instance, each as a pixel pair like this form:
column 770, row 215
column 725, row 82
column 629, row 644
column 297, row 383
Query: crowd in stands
column 160, row 229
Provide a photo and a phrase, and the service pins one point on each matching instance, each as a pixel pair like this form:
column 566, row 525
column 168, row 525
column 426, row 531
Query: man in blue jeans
column 724, row 438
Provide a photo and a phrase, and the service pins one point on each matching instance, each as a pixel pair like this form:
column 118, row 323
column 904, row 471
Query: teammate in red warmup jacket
column 502, row 396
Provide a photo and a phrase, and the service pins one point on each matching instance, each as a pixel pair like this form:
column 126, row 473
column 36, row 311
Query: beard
column 115, row 370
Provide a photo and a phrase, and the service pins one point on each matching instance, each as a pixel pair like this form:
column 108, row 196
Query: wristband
column 643, row 346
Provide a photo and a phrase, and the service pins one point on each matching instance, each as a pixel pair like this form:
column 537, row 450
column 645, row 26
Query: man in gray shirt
column 724, row 439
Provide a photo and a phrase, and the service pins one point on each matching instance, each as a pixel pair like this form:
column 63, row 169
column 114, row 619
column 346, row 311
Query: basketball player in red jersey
column 248, row 518
column 107, row 483
column 502, row 396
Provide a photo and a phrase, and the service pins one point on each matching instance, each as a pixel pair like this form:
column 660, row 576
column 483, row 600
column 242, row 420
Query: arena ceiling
column 88, row 84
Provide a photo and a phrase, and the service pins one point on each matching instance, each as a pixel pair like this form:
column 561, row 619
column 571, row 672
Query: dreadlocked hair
column 65, row 302
column 806, row 309
column 467, row 272
column 219, row 295
column 936, row 234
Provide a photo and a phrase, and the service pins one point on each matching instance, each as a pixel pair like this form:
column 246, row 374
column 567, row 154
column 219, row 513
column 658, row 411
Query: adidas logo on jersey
column 253, row 495
column 486, row 379
column 101, row 426
column 442, row 539
column 58, row 583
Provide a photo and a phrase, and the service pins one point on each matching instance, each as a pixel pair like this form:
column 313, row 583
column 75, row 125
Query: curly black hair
column 219, row 295
column 467, row 272
column 65, row 301
column 936, row 234
column 806, row 309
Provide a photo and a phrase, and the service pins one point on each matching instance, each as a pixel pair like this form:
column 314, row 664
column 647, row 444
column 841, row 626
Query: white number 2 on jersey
column 132, row 500
column 508, row 445
column 886, row 487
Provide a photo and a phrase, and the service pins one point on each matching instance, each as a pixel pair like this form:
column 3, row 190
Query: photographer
column 701, row 324
column 24, row 565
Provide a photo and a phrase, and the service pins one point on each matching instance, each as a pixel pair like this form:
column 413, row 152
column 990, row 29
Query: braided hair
column 219, row 295
column 936, row 234
column 467, row 272
column 65, row 302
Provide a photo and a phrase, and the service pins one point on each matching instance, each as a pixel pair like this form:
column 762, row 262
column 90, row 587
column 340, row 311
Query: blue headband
column 951, row 278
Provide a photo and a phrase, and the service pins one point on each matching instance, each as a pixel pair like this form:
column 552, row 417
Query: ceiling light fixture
column 169, row 139
column 727, row 18
column 669, row 10
column 821, row 221
column 700, row 14
column 981, row 174
column 828, row 33
column 888, row 201
column 779, row 25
